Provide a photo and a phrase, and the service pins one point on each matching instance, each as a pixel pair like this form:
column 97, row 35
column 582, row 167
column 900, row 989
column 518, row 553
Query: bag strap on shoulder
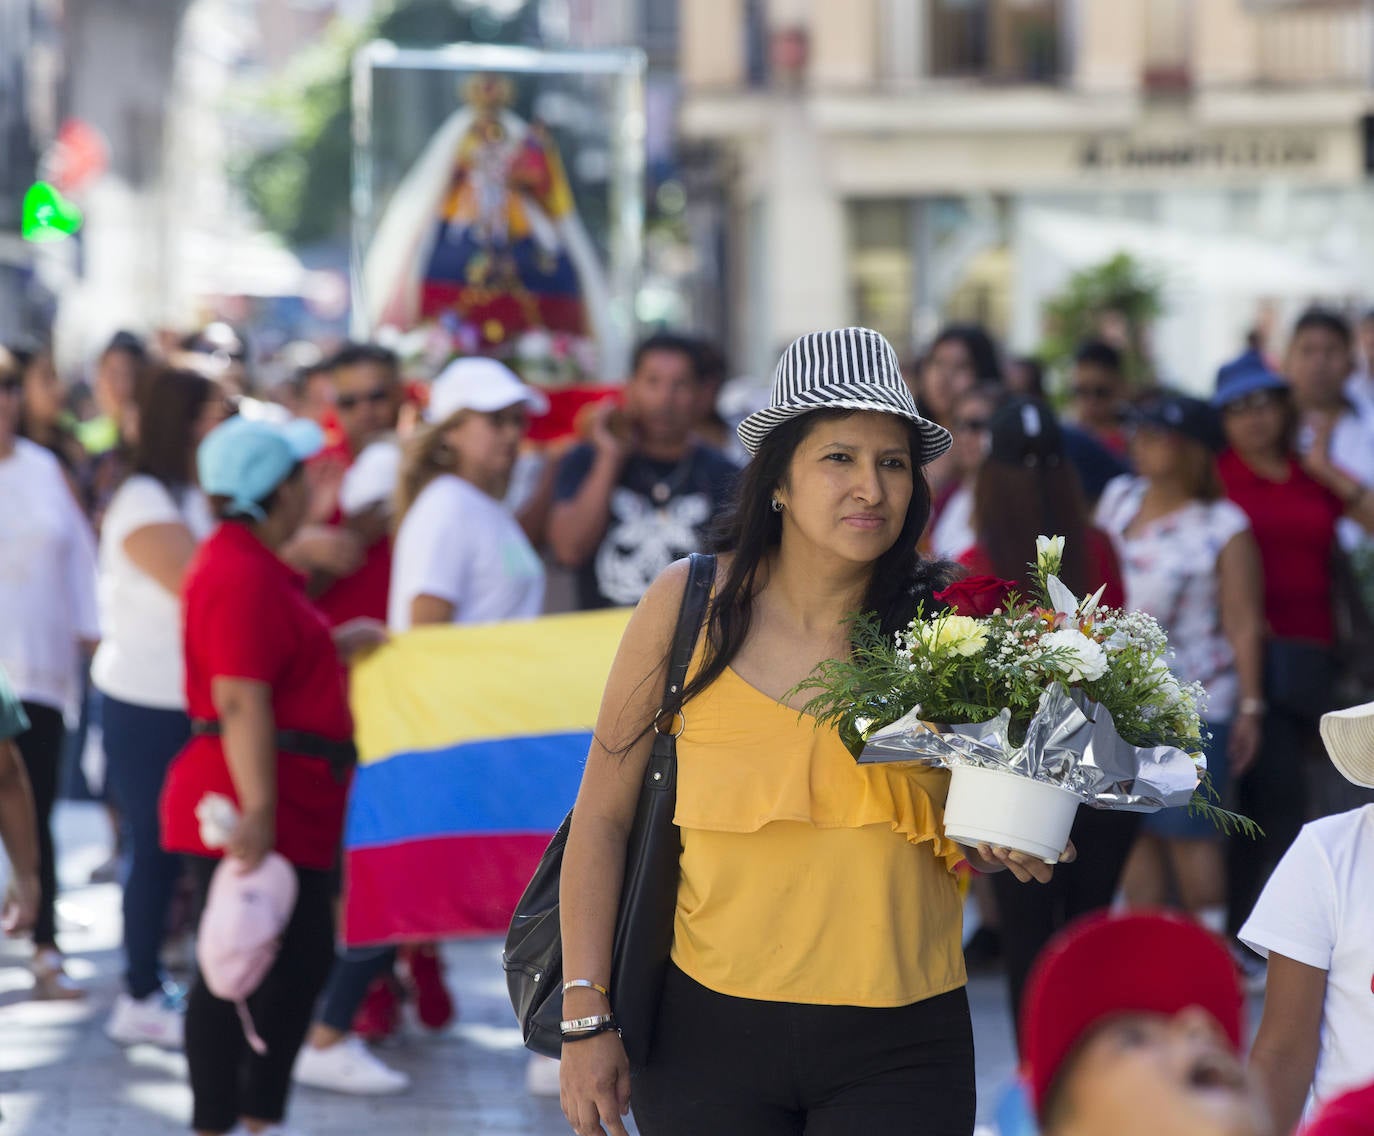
column 701, row 575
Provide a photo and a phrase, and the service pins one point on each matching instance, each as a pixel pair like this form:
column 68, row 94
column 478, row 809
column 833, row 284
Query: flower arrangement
column 1054, row 689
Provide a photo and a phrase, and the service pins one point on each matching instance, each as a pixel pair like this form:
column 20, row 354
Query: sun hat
column 1183, row 415
column 241, row 928
column 1243, row 375
column 244, row 459
column 1349, row 739
column 1104, row 965
column 850, row 368
column 1026, row 433
column 482, row 384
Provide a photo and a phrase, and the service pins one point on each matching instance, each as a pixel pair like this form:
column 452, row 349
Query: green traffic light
column 48, row 216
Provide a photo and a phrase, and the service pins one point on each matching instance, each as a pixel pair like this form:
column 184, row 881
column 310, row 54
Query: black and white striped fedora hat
column 850, row 368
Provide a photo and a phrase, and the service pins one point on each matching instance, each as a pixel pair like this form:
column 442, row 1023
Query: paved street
column 60, row 1076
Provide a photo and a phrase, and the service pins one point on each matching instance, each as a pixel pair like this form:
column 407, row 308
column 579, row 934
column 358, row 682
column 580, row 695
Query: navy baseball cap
column 244, row 459
column 1183, row 415
column 1244, row 375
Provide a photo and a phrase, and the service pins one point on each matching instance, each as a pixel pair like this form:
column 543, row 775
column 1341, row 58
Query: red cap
column 1104, row 965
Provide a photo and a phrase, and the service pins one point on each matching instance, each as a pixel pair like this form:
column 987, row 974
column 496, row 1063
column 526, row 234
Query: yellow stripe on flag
column 438, row 686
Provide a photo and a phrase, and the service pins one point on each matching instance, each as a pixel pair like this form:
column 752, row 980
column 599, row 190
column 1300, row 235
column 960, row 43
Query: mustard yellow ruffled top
column 807, row 877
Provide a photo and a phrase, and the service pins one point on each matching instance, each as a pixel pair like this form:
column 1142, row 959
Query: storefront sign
column 1271, row 150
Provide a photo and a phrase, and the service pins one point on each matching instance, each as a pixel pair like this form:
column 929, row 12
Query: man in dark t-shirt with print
column 642, row 493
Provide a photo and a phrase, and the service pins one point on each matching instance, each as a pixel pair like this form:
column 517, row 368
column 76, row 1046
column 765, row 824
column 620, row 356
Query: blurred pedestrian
column 48, row 621
column 355, row 481
column 152, row 527
column 272, row 733
column 1293, row 511
column 776, row 1016
column 114, row 385
column 18, row 826
column 959, row 358
column 1315, row 924
column 1098, row 394
column 713, row 369
column 951, row 528
column 642, row 493
column 1028, row 487
column 1190, row 560
column 1359, row 388
column 43, row 417
column 1134, row 1026
column 1335, row 438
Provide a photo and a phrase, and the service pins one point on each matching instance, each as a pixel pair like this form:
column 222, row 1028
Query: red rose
column 977, row 596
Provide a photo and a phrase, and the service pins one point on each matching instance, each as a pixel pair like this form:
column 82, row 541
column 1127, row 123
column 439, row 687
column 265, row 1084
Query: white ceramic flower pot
column 993, row 806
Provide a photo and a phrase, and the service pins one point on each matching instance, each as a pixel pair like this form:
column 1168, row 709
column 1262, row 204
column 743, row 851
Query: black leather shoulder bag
column 533, row 956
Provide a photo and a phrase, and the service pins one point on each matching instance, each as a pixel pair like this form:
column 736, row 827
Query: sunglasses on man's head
column 349, row 401
column 1093, row 393
column 972, row 425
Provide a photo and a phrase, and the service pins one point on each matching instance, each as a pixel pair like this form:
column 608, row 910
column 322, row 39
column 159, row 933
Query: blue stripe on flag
column 511, row 785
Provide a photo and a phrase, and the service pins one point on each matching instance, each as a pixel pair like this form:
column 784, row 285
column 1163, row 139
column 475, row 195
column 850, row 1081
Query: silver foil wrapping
column 1071, row 742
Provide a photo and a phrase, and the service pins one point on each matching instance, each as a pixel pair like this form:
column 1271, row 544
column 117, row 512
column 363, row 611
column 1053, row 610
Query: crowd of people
column 190, row 562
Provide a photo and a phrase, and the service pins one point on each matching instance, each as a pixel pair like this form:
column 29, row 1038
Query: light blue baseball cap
column 244, row 459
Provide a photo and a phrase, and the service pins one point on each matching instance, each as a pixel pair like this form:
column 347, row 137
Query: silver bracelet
column 578, row 1025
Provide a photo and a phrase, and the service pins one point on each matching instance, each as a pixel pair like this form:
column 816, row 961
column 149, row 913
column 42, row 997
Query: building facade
column 900, row 163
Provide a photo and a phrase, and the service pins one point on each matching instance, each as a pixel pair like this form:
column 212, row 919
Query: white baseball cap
column 482, row 384
column 1349, row 738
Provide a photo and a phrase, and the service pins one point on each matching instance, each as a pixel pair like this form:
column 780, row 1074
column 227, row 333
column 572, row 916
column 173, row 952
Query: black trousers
column 740, row 1067
column 41, row 748
column 1032, row 913
column 1272, row 793
column 229, row 1080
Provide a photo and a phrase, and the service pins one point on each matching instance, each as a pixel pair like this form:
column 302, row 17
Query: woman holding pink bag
column 271, row 732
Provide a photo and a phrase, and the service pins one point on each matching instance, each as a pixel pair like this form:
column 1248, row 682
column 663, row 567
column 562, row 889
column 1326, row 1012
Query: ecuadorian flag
column 471, row 742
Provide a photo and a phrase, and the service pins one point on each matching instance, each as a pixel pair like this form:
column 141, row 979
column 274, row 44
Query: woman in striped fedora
column 816, row 981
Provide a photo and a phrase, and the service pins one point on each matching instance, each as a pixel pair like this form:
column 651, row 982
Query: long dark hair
column 1012, row 505
column 169, row 402
column 751, row 529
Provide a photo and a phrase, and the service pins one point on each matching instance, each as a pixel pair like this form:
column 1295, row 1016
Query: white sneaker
column 149, row 1020
column 541, row 1076
column 348, row 1067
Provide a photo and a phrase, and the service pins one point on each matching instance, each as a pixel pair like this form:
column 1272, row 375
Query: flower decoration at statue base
column 1035, row 704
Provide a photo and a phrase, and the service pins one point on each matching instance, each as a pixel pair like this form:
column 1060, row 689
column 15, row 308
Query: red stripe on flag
column 441, row 888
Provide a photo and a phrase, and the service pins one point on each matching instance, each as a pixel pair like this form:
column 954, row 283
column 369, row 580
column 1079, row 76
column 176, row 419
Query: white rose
column 1081, row 657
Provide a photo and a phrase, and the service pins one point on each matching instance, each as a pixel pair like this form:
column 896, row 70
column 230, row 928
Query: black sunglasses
column 12, row 385
column 349, row 401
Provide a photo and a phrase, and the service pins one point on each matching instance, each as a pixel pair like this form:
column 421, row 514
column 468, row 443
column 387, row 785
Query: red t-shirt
column 364, row 593
column 1103, row 567
column 1294, row 523
column 1348, row 1115
column 247, row 616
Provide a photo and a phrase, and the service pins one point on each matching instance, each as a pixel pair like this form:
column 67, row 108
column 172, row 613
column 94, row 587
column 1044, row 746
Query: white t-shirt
column 47, row 578
column 1170, row 572
column 1318, row 909
column 953, row 533
column 460, row 545
column 140, row 655
column 1352, row 451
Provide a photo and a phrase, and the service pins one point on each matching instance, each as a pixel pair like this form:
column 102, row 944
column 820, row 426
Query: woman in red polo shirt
column 266, row 694
column 1294, row 505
